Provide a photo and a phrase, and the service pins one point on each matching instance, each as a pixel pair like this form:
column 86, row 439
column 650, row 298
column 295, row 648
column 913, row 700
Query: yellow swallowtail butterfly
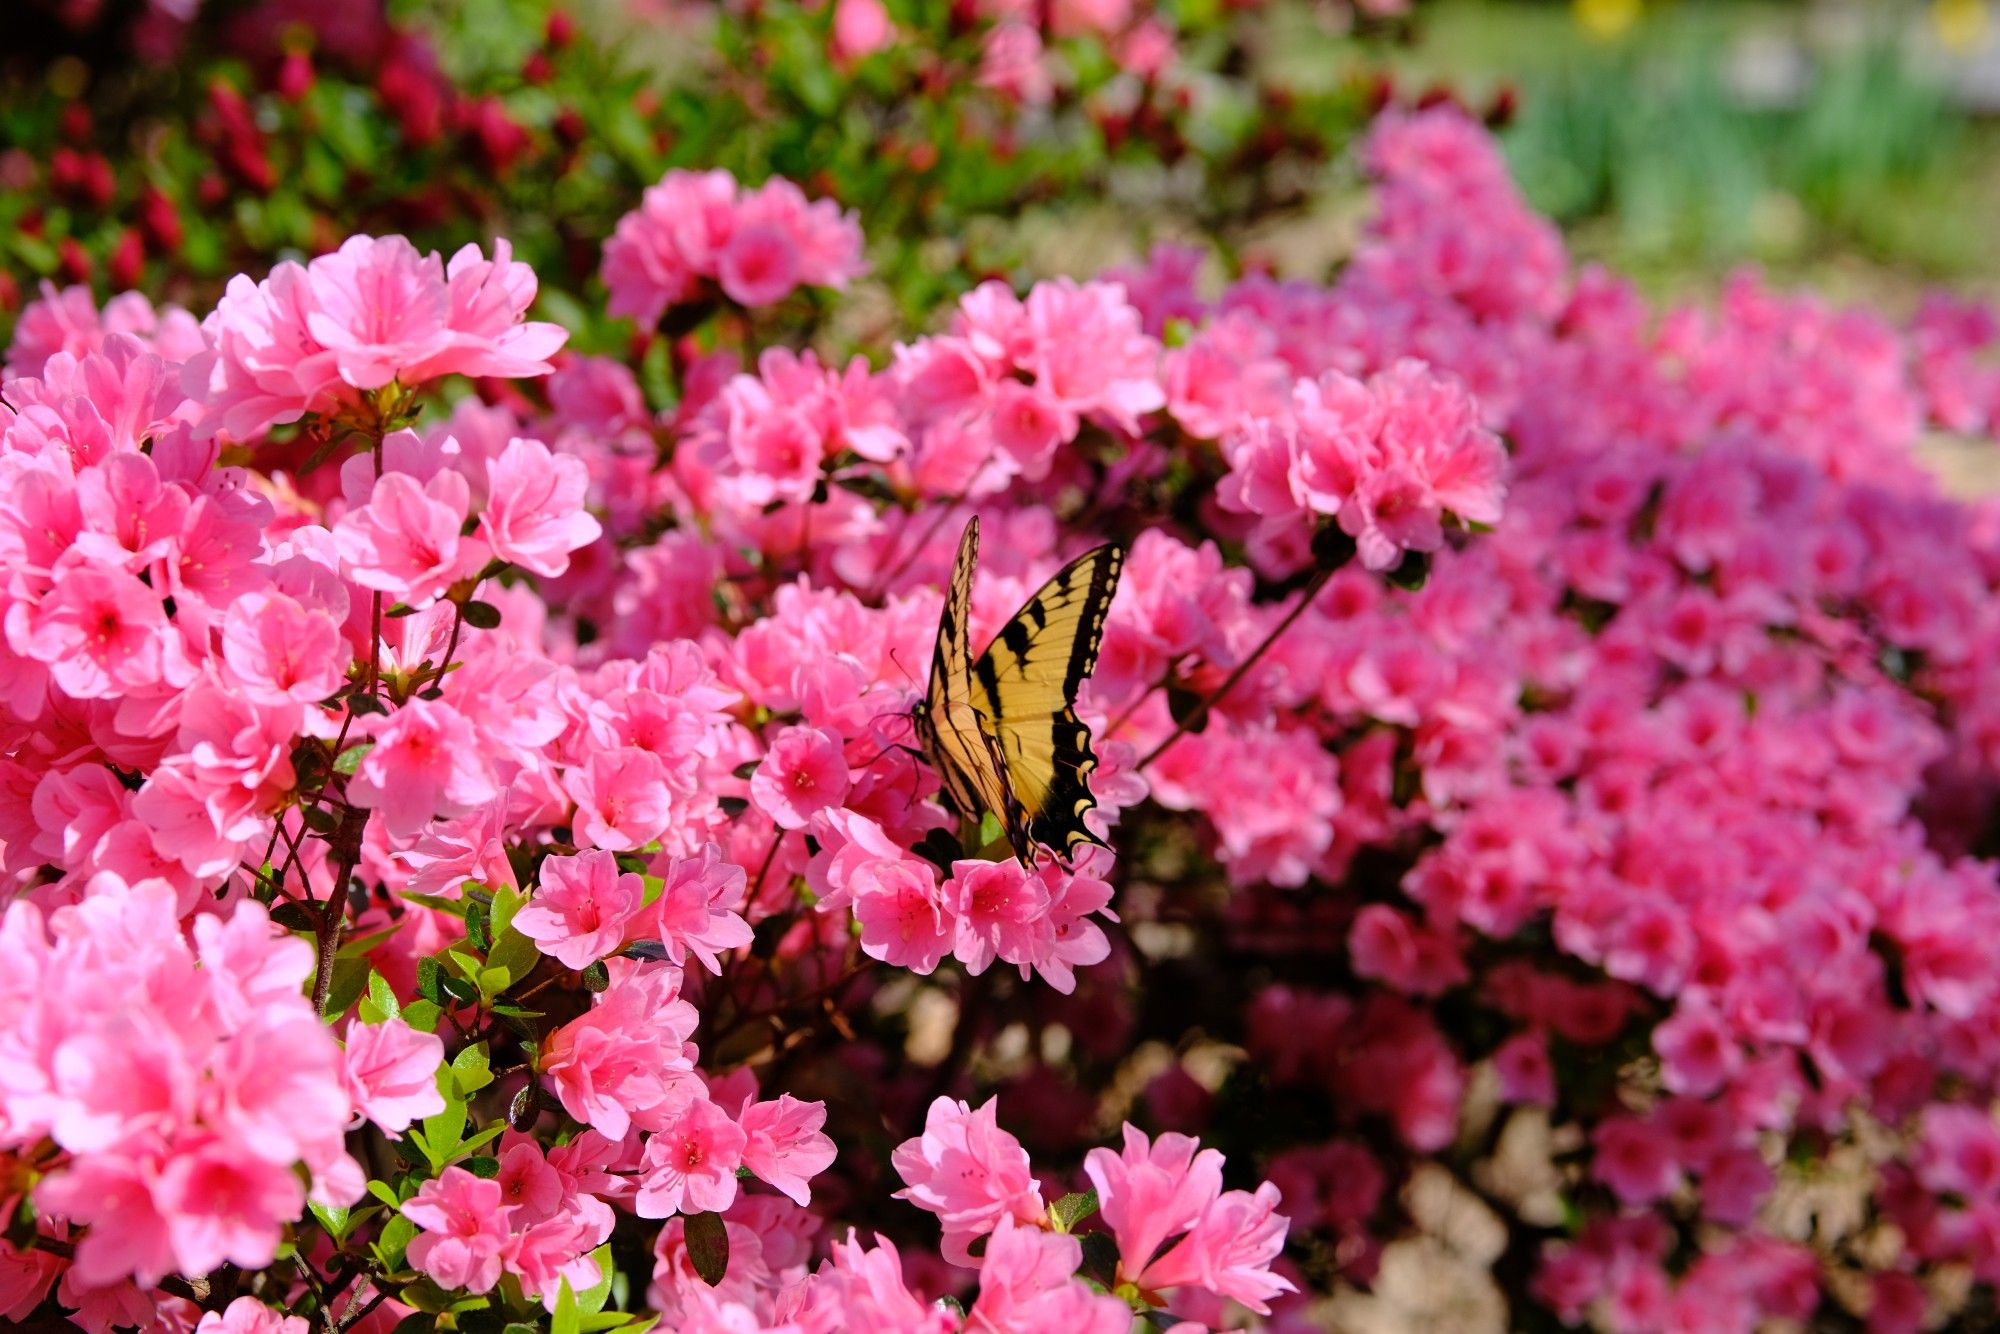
column 1001, row 730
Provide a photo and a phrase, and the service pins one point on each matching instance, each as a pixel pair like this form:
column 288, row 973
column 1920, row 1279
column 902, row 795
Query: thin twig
column 1200, row 712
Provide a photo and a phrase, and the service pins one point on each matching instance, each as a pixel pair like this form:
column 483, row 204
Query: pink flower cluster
column 183, row 1077
column 314, row 337
column 757, row 246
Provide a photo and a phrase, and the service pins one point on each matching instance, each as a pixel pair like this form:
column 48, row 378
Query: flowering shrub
column 467, row 859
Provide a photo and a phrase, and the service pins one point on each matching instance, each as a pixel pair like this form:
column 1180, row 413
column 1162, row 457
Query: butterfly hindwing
column 1002, row 729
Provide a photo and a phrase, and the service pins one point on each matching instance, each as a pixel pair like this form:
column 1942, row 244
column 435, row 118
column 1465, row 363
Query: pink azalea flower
column 968, row 1172
column 691, row 1161
column 380, row 308
column 391, row 1073
column 280, row 651
column 405, row 541
column 1229, row 1251
column 102, row 633
column 622, row 799
column 1150, row 1191
column 425, row 763
column 1002, row 912
column 697, row 911
column 535, row 516
column 784, row 1146
column 759, row 266
column 860, row 28
column 1027, row 1283
column 801, row 775
column 580, row 911
column 247, row 1315
column 903, row 918
column 624, row 1056
column 465, row 1230
column 225, row 1206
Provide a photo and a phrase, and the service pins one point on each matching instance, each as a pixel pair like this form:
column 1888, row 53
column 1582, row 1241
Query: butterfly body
column 1001, row 729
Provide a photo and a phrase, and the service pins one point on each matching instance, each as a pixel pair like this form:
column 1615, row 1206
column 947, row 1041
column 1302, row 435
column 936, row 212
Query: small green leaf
column 382, row 996
column 380, row 1190
column 350, row 977
column 482, row 1166
column 478, row 927
column 567, row 1319
column 482, row 1139
column 472, row 1069
column 422, row 1015
column 481, row 615
column 746, row 769
column 596, row 977
column 513, row 952
column 350, row 759
column 708, row 1247
column 592, row 1298
column 456, row 907
column 397, row 1234
column 430, row 981
column 525, row 1107
column 335, row 1220
column 1072, row 1209
column 357, row 946
column 507, row 901
column 441, row 1133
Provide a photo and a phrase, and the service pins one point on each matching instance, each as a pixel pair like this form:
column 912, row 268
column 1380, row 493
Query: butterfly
column 1001, row 730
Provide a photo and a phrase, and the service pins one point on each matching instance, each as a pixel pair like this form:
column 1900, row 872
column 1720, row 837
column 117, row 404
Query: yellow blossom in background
column 1962, row 25
column 1608, row 18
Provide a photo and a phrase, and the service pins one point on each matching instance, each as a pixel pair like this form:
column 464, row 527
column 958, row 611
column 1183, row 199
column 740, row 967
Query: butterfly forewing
column 957, row 738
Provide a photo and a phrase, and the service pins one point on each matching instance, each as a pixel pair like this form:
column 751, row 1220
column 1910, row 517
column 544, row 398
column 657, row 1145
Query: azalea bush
column 469, row 862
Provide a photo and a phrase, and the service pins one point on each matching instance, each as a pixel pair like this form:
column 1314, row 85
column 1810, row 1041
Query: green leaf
column 397, row 1234
column 1072, row 1209
column 350, row 976
column 382, row 996
column 441, row 1133
column 592, row 1298
column 480, row 1140
column 478, row 928
column 507, row 901
column 482, row 1165
column 422, row 1015
column 335, row 1220
column 350, row 759
column 472, row 1069
column 380, row 1190
column 513, row 953
column 430, row 981
column 567, row 1319
column 481, row 615
column 708, row 1247
column 596, row 977
column 357, row 946
column 456, row 907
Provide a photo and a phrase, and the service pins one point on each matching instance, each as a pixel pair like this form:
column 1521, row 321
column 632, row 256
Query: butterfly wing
column 957, row 738
column 1025, row 684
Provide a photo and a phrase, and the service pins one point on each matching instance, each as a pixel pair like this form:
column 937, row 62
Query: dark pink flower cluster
column 757, row 246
